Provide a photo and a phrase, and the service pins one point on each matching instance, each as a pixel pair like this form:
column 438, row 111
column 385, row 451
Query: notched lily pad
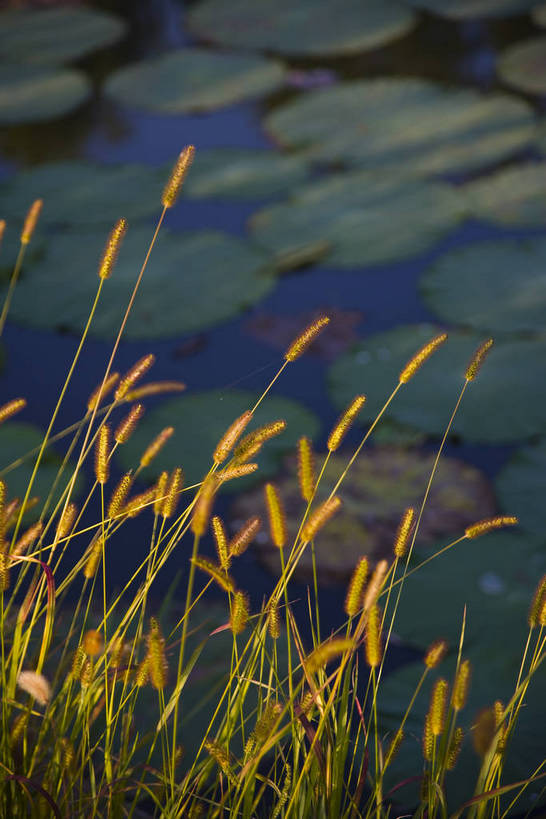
column 512, row 196
column 193, row 79
column 200, row 421
column 30, row 93
column 380, row 485
column 56, row 35
column 520, row 487
column 459, row 286
column 310, row 27
column 193, row 281
column 523, row 66
column 505, row 403
column 366, row 218
column 415, row 126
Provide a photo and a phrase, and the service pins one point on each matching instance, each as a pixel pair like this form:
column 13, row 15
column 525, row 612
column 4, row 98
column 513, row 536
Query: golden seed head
column 306, row 468
column 19, row 727
column 435, row 653
column 344, row 422
column 31, row 534
column 237, row 471
column 253, row 442
column 376, row 584
column 273, row 620
column 178, row 174
column 154, row 388
column 157, row 660
column 240, row 542
column 437, row 708
column 160, row 492
column 77, row 662
column 478, row 359
column 487, row 525
column 143, row 672
column 327, row 651
column 11, row 408
column 454, row 748
column 230, row 437
column 172, row 493
column 353, row 600
column 111, row 249
column 66, row 521
column 127, row 426
column 403, row 533
column 277, row 518
column 36, row 685
column 461, row 685
column 203, row 506
column 31, row 220
column 117, row 650
column 300, row 344
column 428, row 739
column 240, row 609
column 393, row 747
column 102, row 455
column 220, row 576
column 538, row 604
column 484, row 730
column 156, row 446
column 219, row 754
column 119, row 496
column 92, row 643
column 93, row 560
column 138, row 503
column 320, row 517
column 102, row 390
column 2, row 228
column 265, row 724
column 420, row 357
column 133, row 375
column 220, row 538
column 374, row 649
column 4, row 570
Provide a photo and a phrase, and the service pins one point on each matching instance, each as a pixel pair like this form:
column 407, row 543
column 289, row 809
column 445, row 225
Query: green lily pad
column 520, row 487
column 413, row 125
column 469, row 9
column 380, row 485
column 523, row 66
column 512, row 196
column 192, row 281
column 193, row 79
column 368, row 219
column 310, row 27
column 56, row 35
column 82, row 193
column 538, row 15
column 30, row 93
column 459, row 285
column 200, row 421
column 16, row 439
column 244, row 174
column 504, row 404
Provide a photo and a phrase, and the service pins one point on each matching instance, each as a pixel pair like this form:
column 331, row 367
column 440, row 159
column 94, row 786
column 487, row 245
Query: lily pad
column 193, row 281
column 504, row 404
column 310, row 27
column 459, row 286
column 200, row 421
column 368, row 219
column 512, row 196
column 243, row 174
column 56, row 35
column 520, row 487
column 82, row 193
column 380, row 485
column 193, row 79
column 30, row 93
column 523, row 66
column 413, row 125
column 473, row 9
column 16, row 439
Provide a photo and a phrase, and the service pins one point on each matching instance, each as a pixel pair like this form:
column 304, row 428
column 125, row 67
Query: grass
column 293, row 728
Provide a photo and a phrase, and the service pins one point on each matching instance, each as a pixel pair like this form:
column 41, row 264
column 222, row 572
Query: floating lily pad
column 368, row 219
column 413, row 125
column 193, row 79
column 83, row 193
column 56, row 35
column 244, row 174
column 523, row 66
column 200, row 421
column 469, row 9
column 310, row 27
column 520, row 487
column 495, row 286
column 504, row 404
column 30, row 93
column 539, row 15
column 512, row 196
column 17, row 438
column 380, row 485
column 192, row 281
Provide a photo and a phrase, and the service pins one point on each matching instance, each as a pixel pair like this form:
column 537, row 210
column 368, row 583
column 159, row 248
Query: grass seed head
column 238, row 471
column 328, row 651
column 373, row 645
column 156, row 446
column 341, row 428
column 160, row 491
column 178, row 174
column 66, row 521
column 306, row 468
column 435, row 653
column 403, row 533
column 253, row 442
column 134, row 374
column 203, row 506
column 119, row 496
column 138, row 503
column 25, row 541
column 111, row 249
column 36, row 685
column 477, row 360
column 437, row 708
column 102, row 391
column 273, row 620
column 11, row 408
column 489, row 524
column 461, row 685
column 31, row 220
column 454, row 748
column 157, row 660
column 537, row 609
column 172, row 493
column 102, row 454
column 154, row 388
column 242, row 539
column 417, row 360
column 230, row 437
column 320, row 518
column 127, row 425
column 394, row 747
column 220, row 539
column 92, row 642
column 220, row 576
column 93, row 560
column 300, row 344
column 277, row 517
column 428, row 739
column 484, row 730
column 240, row 609
column 376, row 584
column 355, row 591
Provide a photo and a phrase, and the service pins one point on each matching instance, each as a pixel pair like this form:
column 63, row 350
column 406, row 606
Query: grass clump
column 96, row 686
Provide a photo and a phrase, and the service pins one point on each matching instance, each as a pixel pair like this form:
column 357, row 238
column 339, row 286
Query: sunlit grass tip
column 220, row 539
column 435, row 653
column 372, row 637
column 230, row 437
column 353, row 599
column 302, row 342
column 417, row 360
column 242, row 539
column 537, row 609
column 127, row 425
column 461, row 685
column 437, row 708
column 219, row 575
column 306, row 468
column 403, row 533
column 240, row 611
column 102, row 391
column 376, row 584
column 320, row 517
column 155, row 447
column 477, row 360
column 174, row 184
column 11, row 408
column 172, row 493
column 326, row 652
column 276, row 514
column 489, row 524
column 134, row 374
column 102, row 454
column 36, row 685
column 157, row 660
column 344, row 422
column 112, row 248
column 119, row 495
column 31, row 220
column 203, row 506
